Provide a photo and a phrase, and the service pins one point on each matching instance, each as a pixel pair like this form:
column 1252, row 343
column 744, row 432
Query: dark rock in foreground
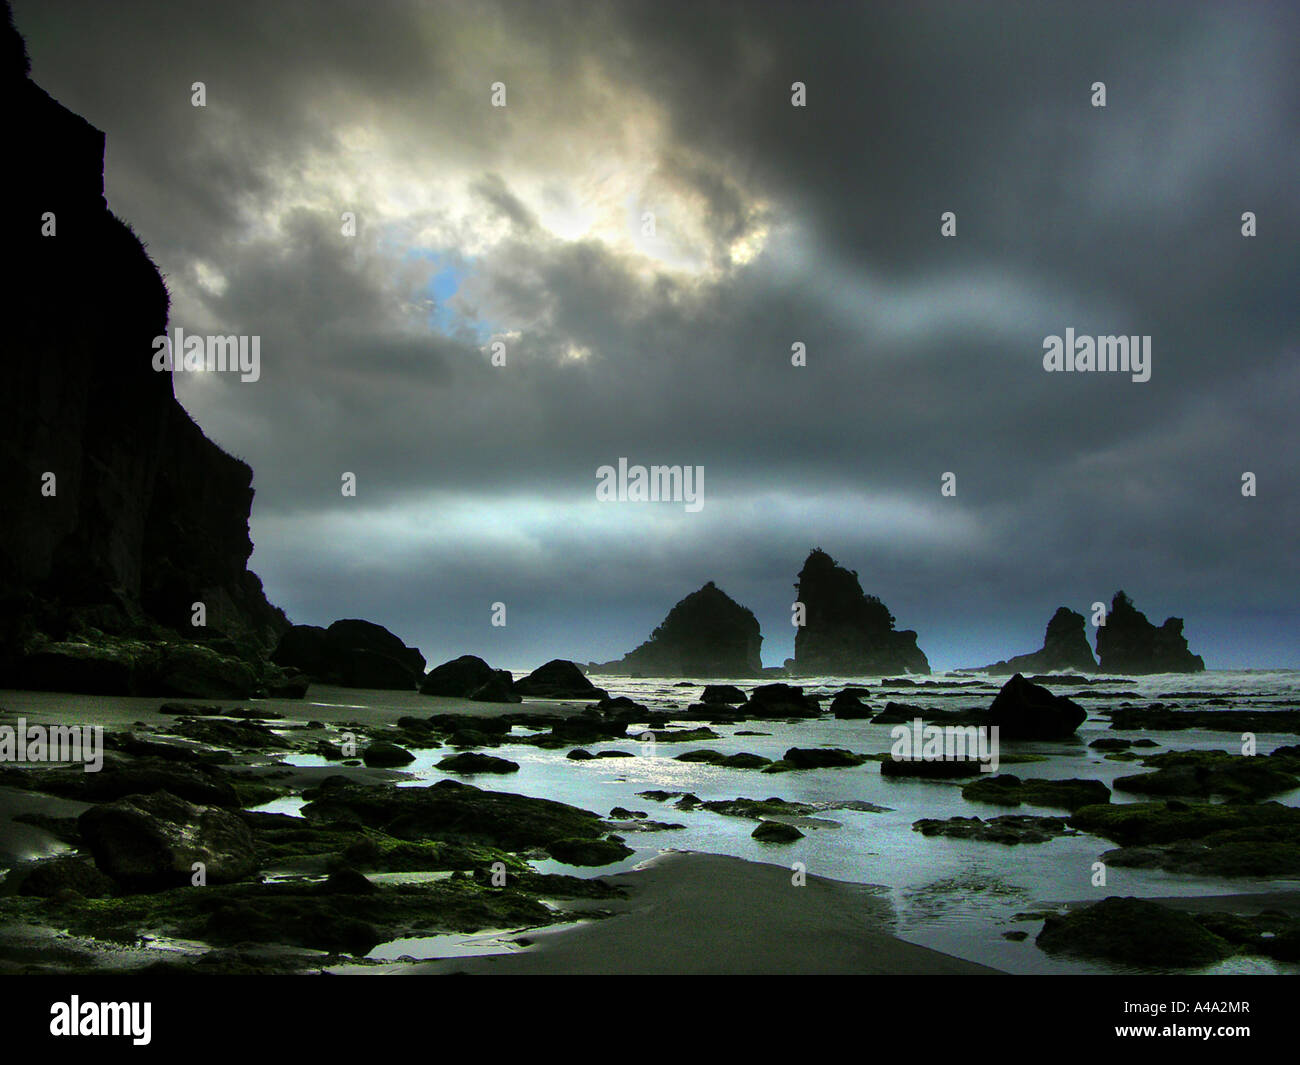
column 776, row 832
column 450, row 810
column 1129, row 643
column 588, row 851
column 1134, row 932
column 722, row 693
column 1065, row 647
column 1008, row 790
column 846, row 706
column 707, row 634
column 471, row 762
column 780, row 700
column 1026, row 711
column 846, row 632
column 1010, row 829
column 383, row 755
column 148, row 842
column 931, row 768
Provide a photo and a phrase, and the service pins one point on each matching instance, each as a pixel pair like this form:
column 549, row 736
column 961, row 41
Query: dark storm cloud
column 924, row 353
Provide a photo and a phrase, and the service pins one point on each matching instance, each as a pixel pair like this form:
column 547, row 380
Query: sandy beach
column 700, row 914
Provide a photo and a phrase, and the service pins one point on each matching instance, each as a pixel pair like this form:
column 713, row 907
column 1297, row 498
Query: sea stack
column 1065, row 647
column 847, row 632
column 1129, row 643
column 707, row 634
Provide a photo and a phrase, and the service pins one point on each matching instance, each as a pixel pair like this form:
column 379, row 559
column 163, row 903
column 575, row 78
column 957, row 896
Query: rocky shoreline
column 109, row 859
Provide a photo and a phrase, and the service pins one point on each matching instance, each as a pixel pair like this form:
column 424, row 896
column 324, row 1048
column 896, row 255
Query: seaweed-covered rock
column 451, row 810
column 1009, row 829
column 776, row 832
column 50, row 878
column 1008, row 790
column 1134, row 932
column 1201, row 774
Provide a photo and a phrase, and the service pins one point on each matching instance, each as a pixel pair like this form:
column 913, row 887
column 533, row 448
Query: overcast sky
column 773, row 224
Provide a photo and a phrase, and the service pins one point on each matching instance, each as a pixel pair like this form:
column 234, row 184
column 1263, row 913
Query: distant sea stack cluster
column 1126, row 643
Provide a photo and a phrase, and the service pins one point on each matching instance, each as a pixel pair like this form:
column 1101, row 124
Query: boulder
column 381, row 754
column 352, row 653
column 722, row 694
column 471, row 762
column 1023, row 710
column 498, row 689
column 1134, row 932
column 776, row 832
column 781, row 700
column 150, row 842
column 848, row 707
column 558, row 679
column 457, row 678
column 588, row 851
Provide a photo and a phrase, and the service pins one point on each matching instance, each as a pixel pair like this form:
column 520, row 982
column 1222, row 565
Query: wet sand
column 697, row 914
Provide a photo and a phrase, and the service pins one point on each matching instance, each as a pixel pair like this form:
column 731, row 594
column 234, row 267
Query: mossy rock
column 1143, row 823
column 1134, row 932
column 1008, row 790
column 776, row 832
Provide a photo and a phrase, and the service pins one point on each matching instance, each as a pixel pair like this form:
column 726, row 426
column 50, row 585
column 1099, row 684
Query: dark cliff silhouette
column 707, row 634
column 145, row 516
column 846, row 631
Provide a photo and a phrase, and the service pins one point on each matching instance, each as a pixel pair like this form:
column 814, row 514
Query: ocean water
column 958, row 896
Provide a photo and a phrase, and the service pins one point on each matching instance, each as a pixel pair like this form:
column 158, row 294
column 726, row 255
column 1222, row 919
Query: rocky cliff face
column 707, row 634
column 1065, row 647
column 120, row 513
column 1129, row 643
column 847, row 632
